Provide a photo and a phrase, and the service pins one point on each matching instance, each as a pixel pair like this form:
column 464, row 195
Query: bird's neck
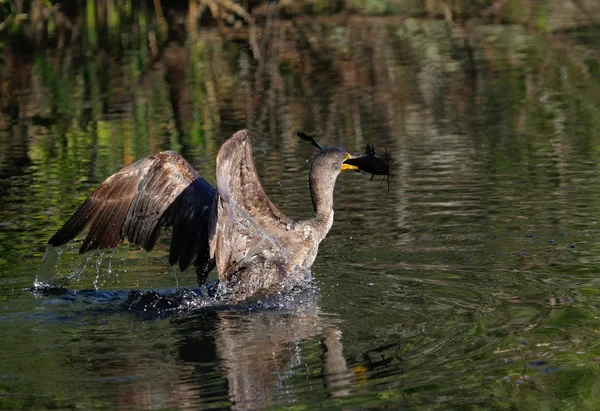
column 321, row 193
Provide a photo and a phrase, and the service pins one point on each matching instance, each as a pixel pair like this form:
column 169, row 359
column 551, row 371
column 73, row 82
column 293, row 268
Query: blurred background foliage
column 42, row 21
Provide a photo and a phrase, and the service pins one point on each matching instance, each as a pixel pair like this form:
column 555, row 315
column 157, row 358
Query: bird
column 233, row 226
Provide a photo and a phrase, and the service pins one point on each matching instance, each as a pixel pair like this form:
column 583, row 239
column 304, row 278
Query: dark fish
column 370, row 163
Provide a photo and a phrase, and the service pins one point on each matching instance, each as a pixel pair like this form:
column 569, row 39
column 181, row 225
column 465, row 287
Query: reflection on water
column 250, row 356
column 473, row 283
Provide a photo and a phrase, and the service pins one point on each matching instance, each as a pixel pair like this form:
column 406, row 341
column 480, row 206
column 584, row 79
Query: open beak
column 346, row 166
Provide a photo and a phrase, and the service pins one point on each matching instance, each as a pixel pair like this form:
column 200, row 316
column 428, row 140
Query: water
column 472, row 283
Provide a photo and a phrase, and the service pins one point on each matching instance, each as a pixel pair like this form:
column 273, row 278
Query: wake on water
column 158, row 303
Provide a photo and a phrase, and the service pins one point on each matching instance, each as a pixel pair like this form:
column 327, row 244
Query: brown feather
column 244, row 214
column 136, row 201
column 112, row 236
column 96, row 230
column 74, row 225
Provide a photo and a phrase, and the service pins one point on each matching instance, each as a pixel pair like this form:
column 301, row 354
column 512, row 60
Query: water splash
column 159, row 304
column 81, row 266
column 98, row 265
column 174, row 270
column 109, row 270
column 57, row 271
column 47, row 269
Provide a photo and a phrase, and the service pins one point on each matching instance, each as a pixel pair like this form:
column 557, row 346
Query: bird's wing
column 244, row 221
column 137, row 200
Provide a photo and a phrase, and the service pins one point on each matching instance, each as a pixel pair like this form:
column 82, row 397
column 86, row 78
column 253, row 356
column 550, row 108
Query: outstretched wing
column 135, row 202
column 244, row 221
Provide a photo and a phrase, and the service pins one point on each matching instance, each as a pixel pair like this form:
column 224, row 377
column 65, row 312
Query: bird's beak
column 346, row 166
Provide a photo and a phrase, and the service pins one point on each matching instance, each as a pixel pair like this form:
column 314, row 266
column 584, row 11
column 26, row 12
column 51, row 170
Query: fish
column 371, row 164
column 368, row 162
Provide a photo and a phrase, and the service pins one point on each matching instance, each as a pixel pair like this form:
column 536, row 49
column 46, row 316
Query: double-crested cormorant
column 235, row 227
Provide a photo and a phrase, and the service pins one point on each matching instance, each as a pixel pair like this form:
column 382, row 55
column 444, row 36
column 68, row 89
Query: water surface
column 472, row 283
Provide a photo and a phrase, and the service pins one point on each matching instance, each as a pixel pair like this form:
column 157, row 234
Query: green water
column 474, row 283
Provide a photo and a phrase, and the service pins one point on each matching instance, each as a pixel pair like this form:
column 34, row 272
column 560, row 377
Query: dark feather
column 138, row 200
column 74, row 225
column 153, row 238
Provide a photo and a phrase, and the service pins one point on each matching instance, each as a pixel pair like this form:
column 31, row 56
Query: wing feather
column 138, row 200
column 243, row 221
column 97, row 229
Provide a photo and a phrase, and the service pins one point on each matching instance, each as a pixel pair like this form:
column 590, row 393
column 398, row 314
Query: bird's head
column 367, row 162
column 330, row 162
column 326, row 167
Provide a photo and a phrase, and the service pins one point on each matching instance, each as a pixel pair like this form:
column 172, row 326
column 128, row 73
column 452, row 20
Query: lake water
column 473, row 283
